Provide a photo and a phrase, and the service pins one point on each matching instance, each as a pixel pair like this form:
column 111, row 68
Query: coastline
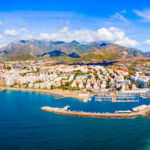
column 74, row 94
column 62, row 111
column 64, row 93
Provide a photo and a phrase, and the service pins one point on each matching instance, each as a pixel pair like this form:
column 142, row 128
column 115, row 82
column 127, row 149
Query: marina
column 117, row 97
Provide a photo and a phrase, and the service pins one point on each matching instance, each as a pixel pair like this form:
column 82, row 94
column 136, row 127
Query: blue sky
column 122, row 22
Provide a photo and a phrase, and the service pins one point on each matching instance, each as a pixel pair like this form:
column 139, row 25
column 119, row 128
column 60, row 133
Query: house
column 36, row 85
column 48, row 85
column 103, row 85
column 42, row 85
column 30, row 85
column 9, row 81
column 73, row 84
column 139, row 79
column 81, row 85
column 134, row 87
column 88, row 85
column 95, row 86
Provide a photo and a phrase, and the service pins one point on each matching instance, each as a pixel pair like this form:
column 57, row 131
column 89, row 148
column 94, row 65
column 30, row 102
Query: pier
column 65, row 111
column 117, row 97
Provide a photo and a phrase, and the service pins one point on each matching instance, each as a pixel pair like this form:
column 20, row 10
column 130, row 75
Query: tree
column 107, row 85
column 89, row 76
column 8, row 68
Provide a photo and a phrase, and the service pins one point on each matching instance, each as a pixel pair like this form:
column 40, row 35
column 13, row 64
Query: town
column 91, row 78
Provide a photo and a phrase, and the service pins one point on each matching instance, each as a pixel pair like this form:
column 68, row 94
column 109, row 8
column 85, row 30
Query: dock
column 59, row 98
column 117, row 97
column 127, row 101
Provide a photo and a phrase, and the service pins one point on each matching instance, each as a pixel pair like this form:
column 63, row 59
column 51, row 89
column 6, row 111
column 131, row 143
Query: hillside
column 29, row 49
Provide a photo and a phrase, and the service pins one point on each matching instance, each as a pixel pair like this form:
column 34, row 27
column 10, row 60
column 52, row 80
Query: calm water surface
column 23, row 126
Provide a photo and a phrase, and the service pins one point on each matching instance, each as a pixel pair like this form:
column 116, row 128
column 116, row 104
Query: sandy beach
column 2, row 89
column 64, row 93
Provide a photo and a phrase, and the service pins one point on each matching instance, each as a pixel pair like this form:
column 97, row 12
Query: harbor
column 137, row 106
column 102, row 105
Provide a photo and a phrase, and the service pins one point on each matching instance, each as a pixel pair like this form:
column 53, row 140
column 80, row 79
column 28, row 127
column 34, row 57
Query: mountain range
column 28, row 49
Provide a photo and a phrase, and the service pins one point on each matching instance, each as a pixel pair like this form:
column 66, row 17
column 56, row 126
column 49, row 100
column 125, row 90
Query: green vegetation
column 109, row 55
column 8, row 68
column 89, row 76
column 20, row 57
column 107, row 85
column 37, row 69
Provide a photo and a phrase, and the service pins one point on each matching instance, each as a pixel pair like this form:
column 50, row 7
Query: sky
column 123, row 22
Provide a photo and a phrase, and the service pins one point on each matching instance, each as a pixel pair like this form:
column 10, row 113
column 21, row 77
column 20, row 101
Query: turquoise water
column 23, row 126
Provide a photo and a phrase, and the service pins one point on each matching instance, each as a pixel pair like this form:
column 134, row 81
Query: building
column 84, row 93
column 142, row 80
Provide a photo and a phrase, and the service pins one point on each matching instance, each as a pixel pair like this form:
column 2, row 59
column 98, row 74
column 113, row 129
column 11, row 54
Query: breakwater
column 65, row 111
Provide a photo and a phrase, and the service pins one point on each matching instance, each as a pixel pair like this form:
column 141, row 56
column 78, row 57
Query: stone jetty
column 65, row 111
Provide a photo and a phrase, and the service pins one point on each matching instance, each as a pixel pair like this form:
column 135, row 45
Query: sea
column 24, row 126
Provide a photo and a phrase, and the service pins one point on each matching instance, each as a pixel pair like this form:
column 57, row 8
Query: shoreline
column 62, row 111
column 2, row 89
column 60, row 92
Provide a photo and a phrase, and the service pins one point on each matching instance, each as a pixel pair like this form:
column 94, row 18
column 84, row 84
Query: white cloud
column 112, row 34
column 105, row 34
column 127, row 42
column 119, row 16
column 11, row 32
column 145, row 14
column 64, row 29
column 15, row 32
column 44, row 36
column 78, row 35
column 21, row 33
column 26, row 35
column 147, row 42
